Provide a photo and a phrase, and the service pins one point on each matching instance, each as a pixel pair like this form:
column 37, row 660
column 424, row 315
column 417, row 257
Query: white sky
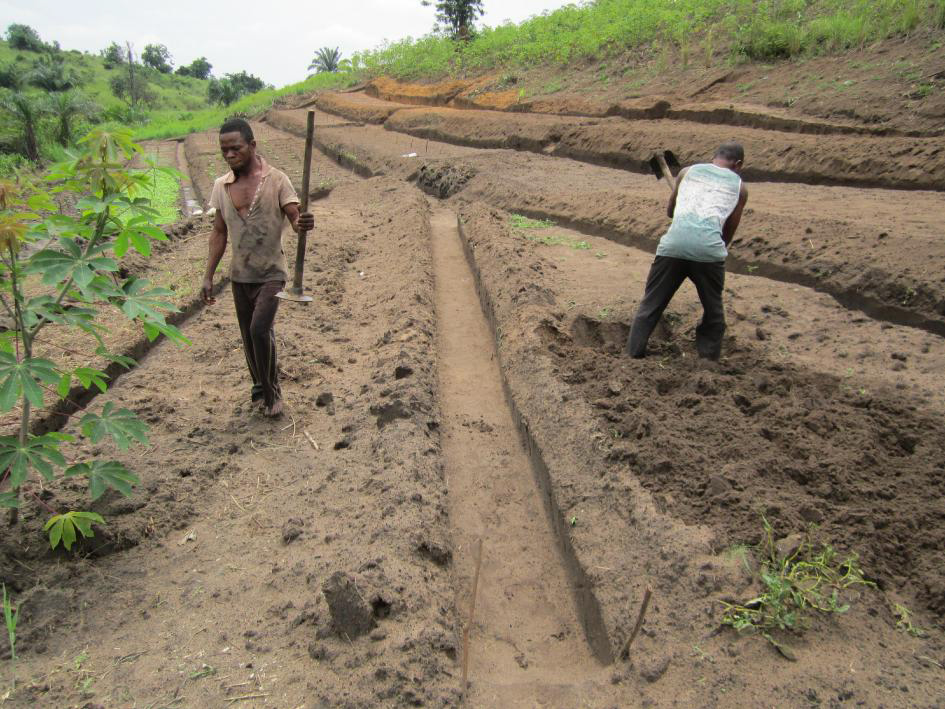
column 274, row 39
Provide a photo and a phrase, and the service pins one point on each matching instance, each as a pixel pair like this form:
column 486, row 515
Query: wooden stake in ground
column 636, row 628
column 472, row 613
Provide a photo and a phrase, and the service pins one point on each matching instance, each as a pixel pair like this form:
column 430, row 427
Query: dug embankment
column 873, row 249
column 537, row 635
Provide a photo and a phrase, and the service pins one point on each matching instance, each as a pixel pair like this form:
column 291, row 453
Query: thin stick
column 245, row 697
column 310, row 439
column 636, row 628
column 472, row 612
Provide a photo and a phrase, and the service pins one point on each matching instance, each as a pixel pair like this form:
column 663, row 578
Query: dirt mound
column 433, row 94
column 357, row 106
column 443, row 180
column 902, row 163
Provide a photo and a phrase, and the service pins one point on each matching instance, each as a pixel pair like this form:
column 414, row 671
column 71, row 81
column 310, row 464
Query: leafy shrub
column 24, row 37
column 11, row 163
column 75, row 258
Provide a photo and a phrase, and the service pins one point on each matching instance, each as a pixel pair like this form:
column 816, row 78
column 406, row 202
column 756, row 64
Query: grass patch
column 758, row 30
column 164, row 193
column 520, row 223
column 795, row 586
column 176, row 124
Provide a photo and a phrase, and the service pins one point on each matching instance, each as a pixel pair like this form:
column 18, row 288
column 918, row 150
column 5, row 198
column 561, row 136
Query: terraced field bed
column 462, row 424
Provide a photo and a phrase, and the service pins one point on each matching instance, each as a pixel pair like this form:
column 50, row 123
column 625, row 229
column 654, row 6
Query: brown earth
column 238, row 530
column 328, row 558
column 629, row 142
column 655, row 469
column 872, row 249
column 890, row 87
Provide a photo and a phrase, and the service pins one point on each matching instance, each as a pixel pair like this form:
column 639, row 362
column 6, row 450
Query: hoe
column 663, row 166
column 294, row 292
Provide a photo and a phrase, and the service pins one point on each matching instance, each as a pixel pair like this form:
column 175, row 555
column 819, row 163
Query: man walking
column 706, row 207
column 251, row 202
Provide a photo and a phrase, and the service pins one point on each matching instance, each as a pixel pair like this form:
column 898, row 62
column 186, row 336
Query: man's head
column 730, row 155
column 237, row 143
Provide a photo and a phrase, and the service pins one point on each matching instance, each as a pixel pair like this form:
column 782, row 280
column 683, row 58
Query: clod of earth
column 351, row 615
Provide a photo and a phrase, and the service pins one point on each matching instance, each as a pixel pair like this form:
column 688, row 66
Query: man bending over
column 706, row 207
column 251, row 202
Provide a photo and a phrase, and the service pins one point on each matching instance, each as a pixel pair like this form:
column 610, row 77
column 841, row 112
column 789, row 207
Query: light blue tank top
column 707, row 196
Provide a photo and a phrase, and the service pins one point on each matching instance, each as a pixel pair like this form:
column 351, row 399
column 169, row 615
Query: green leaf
column 140, row 243
column 41, row 201
column 103, row 475
column 64, row 385
column 140, row 300
column 154, row 330
column 63, row 527
column 38, row 453
column 88, row 376
column 18, row 378
column 126, row 362
column 9, row 500
column 121, row 424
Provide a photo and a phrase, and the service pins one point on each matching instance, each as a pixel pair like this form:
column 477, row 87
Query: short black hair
column 731, row 151
column 238, row 125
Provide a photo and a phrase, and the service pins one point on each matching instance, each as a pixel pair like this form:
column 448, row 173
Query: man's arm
column 671, row 207
column 217, row 248
column 731, row 224
column 299, row 221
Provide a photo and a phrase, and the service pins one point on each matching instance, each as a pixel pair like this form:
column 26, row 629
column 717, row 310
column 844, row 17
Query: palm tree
column 66, row 107
column 326, row 60
column 26, row 112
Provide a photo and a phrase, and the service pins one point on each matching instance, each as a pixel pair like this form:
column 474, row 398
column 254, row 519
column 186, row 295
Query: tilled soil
column 867, row 161
column 876, row 250
column 327, row 558
column 260, row 561
column 657, row 468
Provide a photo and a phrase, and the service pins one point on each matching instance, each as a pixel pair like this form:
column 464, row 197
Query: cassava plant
column 62, row 270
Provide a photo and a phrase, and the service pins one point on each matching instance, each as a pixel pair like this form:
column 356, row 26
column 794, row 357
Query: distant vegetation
column 326, row 59
column 746, row 29
column 49, row 97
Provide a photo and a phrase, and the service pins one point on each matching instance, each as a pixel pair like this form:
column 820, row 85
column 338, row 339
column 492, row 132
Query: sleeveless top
column 707, row 196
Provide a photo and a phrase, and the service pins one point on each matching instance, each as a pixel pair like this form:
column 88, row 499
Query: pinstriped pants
column 256, row 306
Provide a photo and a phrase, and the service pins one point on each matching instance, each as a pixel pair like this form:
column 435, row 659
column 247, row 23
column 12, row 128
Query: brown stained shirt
column 257, row 255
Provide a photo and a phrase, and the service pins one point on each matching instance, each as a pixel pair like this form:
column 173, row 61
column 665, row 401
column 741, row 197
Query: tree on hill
column 24, row 37
column 131, row 85
column 50, row 72
column 113, row 55
column 457, row 16
column 232, row 86
column 157, row 57
column 25, row 112
column 326, row 60
column 66, row 107
column 198, row 68
column 10, row 77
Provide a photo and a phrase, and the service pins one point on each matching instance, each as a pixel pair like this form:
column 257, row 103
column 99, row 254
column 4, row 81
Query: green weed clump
column 796, row 586
column 520, row 221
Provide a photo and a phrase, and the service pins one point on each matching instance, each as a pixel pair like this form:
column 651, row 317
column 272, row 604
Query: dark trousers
column 256, row 306
column 666, row 275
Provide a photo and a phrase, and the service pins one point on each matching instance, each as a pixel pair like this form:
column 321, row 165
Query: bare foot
column 275, row 410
